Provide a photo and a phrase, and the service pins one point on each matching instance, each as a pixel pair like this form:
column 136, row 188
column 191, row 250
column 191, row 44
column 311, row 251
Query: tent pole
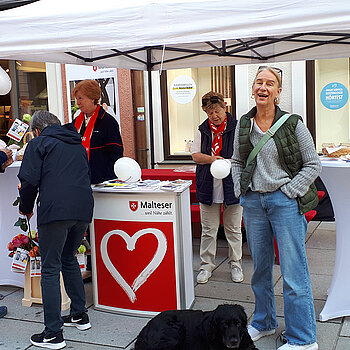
column 150, row 104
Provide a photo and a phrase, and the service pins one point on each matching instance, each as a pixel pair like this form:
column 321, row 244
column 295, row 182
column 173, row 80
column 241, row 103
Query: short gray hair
column 41, row 119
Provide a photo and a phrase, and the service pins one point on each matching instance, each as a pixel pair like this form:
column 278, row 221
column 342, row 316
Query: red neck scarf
column 90, row 127
column 217, row 141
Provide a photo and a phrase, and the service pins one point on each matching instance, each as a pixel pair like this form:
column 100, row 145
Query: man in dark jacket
column 55, row 164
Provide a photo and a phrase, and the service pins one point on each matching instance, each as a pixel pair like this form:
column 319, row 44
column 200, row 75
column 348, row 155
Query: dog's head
column 226, row 325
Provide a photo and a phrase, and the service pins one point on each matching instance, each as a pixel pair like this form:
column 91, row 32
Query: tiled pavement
column 112, row 331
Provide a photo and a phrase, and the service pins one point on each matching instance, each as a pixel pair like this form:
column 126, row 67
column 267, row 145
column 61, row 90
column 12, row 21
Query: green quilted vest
column 288, row 151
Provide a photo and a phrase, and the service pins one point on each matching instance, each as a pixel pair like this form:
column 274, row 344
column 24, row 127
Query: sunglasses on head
column 278, row 70
column 213, row 99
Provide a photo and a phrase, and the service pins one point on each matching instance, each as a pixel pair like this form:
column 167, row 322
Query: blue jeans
column 274, row 214
column 58, row 243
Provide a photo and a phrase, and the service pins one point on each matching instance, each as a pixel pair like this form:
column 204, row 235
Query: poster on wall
column 107, row 80
column 334, row 96
column 183, row 89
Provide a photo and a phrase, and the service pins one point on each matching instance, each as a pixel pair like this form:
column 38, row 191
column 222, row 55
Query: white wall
column 293, row 96
column 54, row 90
column 157, row 117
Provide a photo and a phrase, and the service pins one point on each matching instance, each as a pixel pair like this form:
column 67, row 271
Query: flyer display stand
column 142, row 250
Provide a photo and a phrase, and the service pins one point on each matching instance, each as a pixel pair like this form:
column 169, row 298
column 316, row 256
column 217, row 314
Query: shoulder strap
column 266, row 137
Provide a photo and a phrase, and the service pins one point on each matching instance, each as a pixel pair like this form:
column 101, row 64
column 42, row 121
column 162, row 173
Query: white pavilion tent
column 143, row 34
column 168, row 34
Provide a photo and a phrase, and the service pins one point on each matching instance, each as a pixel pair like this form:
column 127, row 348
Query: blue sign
column 334, row 96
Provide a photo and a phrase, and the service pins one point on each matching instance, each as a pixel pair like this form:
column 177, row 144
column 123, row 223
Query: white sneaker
column 236, row 272
column 256, row 335
column 313, row 346
column 203, row 276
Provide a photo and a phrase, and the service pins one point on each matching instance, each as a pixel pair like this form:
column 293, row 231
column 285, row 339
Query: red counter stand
column 142, row 250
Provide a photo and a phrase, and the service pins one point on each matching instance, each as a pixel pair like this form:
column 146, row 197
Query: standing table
column 141, row 244
column 335, row 175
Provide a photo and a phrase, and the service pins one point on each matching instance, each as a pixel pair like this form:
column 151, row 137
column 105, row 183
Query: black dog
column 220, row 329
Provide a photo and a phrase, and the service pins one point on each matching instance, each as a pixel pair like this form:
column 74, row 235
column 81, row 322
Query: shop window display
column 28, row 93
column 181, row 96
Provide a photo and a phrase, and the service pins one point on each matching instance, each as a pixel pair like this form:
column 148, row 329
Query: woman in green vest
column 275, row 185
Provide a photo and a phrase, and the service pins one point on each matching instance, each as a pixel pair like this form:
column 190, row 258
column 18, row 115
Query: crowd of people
column 271, row 186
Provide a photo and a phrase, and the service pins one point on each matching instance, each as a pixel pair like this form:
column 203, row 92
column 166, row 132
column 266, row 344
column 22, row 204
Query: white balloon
column 5, row 82
column 127, row 169
column 220, row 168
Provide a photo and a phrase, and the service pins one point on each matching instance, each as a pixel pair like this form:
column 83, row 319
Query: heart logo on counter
column 130, row 245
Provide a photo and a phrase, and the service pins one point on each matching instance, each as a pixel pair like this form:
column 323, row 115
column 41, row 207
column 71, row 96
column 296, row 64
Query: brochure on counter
column 146, row 185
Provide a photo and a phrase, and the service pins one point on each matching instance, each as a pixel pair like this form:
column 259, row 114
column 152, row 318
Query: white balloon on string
column 5, row 82
column 220, row 168
column 127, row 169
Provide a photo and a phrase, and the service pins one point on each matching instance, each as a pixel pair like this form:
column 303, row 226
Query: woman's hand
column 7, row 151
column 6, row 164
column 201, row 158
column 216, row 158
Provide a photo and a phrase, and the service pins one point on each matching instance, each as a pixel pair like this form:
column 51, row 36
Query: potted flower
column 23, row 247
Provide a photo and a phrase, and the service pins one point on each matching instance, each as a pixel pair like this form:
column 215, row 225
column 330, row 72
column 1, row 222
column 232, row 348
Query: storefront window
column 32, row 87
column 332, row 105
column 182, row 92
column 28, row 93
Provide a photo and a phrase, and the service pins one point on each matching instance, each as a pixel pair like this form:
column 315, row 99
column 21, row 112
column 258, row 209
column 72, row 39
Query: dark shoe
column 79, row 321
column 53, row 341
column 3, row 311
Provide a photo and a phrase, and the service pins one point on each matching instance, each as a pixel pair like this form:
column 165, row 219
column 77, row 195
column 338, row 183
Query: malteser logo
column 133, row 205
column 155, row 205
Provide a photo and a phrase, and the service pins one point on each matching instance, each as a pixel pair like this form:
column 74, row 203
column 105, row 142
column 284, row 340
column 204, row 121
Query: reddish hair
column 89, row 88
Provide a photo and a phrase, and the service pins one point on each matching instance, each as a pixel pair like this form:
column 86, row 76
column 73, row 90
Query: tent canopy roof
column 140, row 34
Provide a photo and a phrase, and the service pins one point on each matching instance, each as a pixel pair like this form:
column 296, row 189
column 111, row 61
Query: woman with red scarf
column 214, row 140
column 99, row 130
column 100, row 137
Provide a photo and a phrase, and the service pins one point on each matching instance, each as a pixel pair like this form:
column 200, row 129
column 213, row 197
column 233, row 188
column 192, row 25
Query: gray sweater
column 268, row 175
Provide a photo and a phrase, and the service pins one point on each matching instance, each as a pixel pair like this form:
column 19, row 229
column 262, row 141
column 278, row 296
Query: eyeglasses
column 278, row 70
column 212, row 99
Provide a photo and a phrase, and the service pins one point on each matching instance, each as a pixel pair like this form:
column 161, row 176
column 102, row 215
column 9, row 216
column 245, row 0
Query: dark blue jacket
column 3, row 157
column 55, row 164
column 204, row 179
column 106, row 147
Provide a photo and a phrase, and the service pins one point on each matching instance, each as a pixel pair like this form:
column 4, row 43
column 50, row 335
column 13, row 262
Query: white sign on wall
column 107, row 79
column 183, row 89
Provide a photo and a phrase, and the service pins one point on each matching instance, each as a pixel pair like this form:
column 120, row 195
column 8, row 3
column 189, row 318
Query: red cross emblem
column 133, row 205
